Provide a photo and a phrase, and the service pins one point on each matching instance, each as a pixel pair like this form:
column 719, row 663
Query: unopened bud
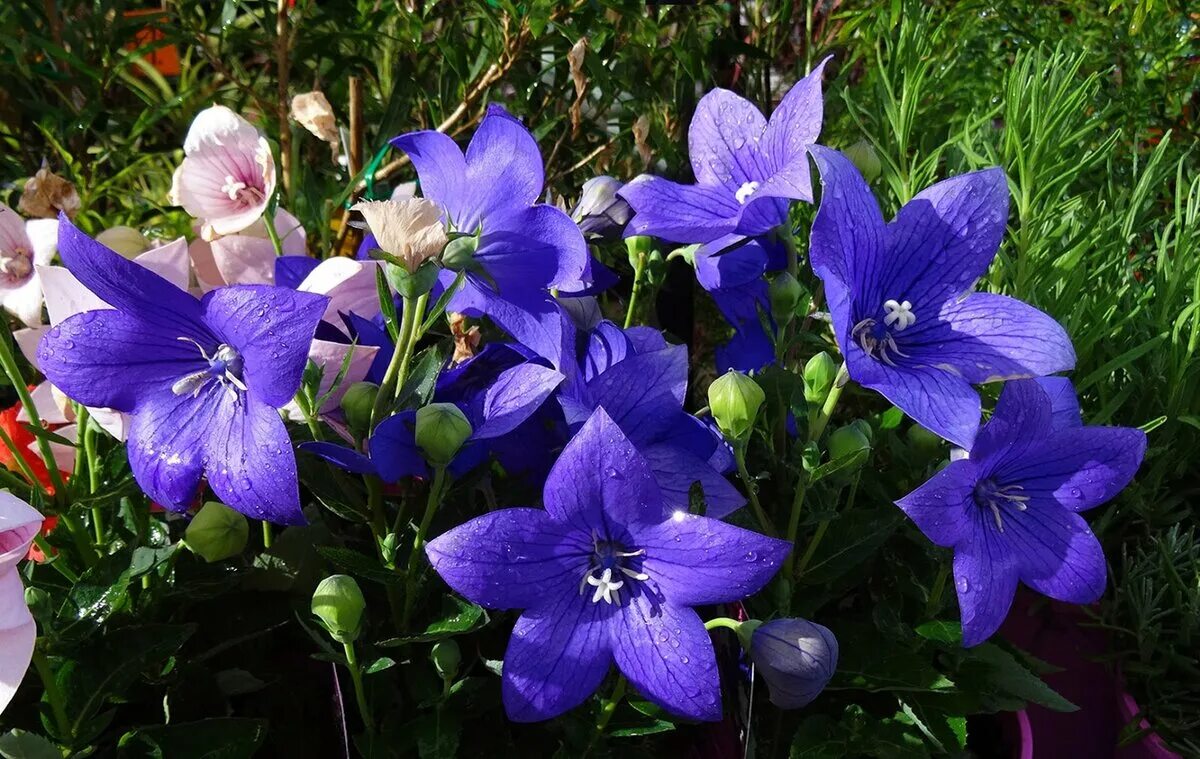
column 441, row 431
column 786, row 292
column 734, row 399
column 600, row 211
column 459, row 254
column 862, row 155
column 446, row 658
column 796, row 657
column 638, row 247
column 357, row 404
column 217, row 532
column 819, row 374
column 338, row 602
column 37, row 600
column 124, row 240
column 847, row 441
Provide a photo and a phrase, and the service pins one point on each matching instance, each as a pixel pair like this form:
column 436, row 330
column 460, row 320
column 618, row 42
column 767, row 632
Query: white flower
column 410, row 230
column 24, row 245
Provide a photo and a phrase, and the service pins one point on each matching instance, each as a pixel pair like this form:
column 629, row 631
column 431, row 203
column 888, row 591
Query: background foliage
column 1089, row 106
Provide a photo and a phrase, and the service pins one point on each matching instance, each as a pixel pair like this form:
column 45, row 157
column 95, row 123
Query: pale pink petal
column 218, row 125
column 330, row 356
column 64, row 455
column 66, row 295
column 27, row 340
column 350, row 285
column 43, row 236
column 244, row 260
column 19, row 523
column 25, row 301
column 113, row 422
column 48, row 408
column 12, row 231
column 18, row 634
column 169, row 261
column 208, row 276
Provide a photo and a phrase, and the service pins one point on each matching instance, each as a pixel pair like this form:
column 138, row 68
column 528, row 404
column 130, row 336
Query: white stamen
column 745, row 191
column 640, row 576
column 606, row 588
column 899, row 316
column 232, row 187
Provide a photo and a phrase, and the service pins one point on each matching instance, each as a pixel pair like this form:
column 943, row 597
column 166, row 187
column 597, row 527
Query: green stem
column 9, row 362
column 939, row 585
column 12, row 482
column 606, row 713
column 360, row 694
column 267, row 535
column 631, row 309
column 726, row 622
column 739, row 455
column 378, row 525
column 87, row 431
column 413, row 339
column 793, row 527
column 82, row 541
column 387, row 390
column 53, row 695
column 820, row 421
column 414, row 558
column 54, row 561
column 812, row 548
column 22, row 464
column 269, row 222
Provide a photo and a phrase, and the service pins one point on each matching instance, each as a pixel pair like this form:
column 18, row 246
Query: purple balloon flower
column 1010, row 509
column 201, row 379
column 604, row 576
column 796, row 657
column 641, row 382
column 525, row 248
column 900, row 295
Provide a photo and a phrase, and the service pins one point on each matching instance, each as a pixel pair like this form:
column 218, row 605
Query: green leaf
column 942, row 632
column 418, row 387
column 221, row 738
column 850, row 540
column 379, row 665
column 359, row 564
column 19, row 744
column 1004, row 672
column 101, row 592
column 387, row 305
column 458, row 616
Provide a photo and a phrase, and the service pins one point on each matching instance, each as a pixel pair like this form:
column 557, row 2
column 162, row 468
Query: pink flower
column 227, row 175
column 24, row 245
column 248, row 257
column 19, row 524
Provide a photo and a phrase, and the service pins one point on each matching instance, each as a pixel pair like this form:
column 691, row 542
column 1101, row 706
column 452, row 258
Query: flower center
column 876, row 339
column 241, row 192
column 224, row 366
column 611, row 565
column 745, row 191
column 16, row 265
column 898, row 316
column 989, row 495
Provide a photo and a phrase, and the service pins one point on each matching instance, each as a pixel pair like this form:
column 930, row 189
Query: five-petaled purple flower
column 524, row 248
column 1010, row 509
column 900, row 295
column 201, row 379
column 604, row 575
column 747, row 170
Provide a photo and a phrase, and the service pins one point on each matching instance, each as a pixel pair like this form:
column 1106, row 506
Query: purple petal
column 697, row 560
column 1021, row 418
column 340, row 456
column 127, row 286
column 646, row 339
column 723, row 140
column 511, row 558
column 985, row 577
column 504, row 167
column 1064, row 404
column 729, row 261
column 272, row 327
column 535, row 321
column 986, row 338
column 666, row 654
column 795, row 124
column 442, row 169
column 1078, row 468
column 290, row 271
column 600, row 477
column 514, row 397
column 607, row 345
column 641, row 392
column 250, row 462
column 394, row 449
column 675, row 469
column 939, row 401
column 943, row 507
column 532, row 248
column 110, row 359
column 679, row 213
column 167, row 443
column 557, row 656
column 943, row 240
column 749, row 350
column 1057, row 554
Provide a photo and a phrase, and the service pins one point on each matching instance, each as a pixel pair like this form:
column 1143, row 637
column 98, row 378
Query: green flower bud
column 411, row 284
column 357, row 404
column 217, row 532
column 37, row 600
column 638, row 247
column 924, row 440
column 819, row 374
column 460, row 253
column 124, row 240
column 441, row 431
column 338, row 602
column 734, row 400
column 863, row 426
column 446, row 658
column 847, row 441
column 786, row 292
column 862, row 155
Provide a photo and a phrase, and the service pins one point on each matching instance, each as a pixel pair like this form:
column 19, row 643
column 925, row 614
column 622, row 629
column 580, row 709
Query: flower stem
column 726, row 622
column 87, row 428
column 794, row 524
column 606, row 713
column 360, row 695
column 414, row 558
column 739, row 455
column 821, row 420
column 413, row 338
column 631, row 309
column 387, row 390
column 935, row 593
column 9, row 362
column 811, row 550
column 267, row 536
column 273, row 233
column 53, row 694
column 40, row 541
